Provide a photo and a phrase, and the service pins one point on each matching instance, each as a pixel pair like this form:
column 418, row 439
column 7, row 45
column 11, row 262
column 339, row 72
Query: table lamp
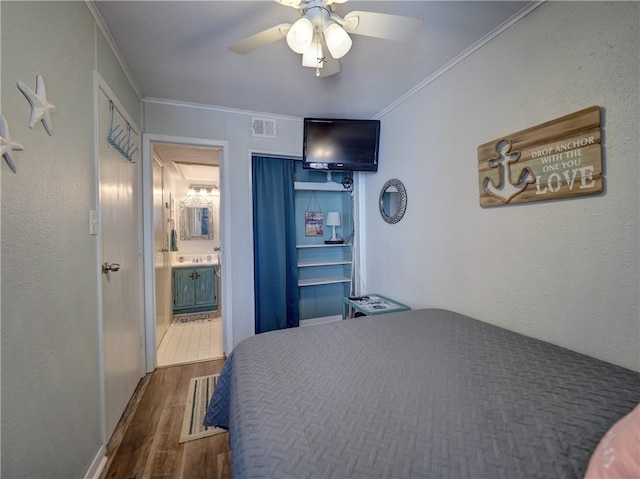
column 333, row 220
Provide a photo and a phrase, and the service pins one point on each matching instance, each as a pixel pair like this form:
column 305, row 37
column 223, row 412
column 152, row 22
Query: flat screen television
column 341, row 144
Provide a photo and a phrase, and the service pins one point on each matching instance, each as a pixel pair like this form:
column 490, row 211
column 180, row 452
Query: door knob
column 106, row 267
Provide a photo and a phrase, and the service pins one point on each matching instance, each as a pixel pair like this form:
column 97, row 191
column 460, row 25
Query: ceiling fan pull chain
column 318, row 56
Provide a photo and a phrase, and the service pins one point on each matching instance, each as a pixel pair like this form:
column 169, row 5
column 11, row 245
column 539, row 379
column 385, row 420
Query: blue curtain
column 274, row 245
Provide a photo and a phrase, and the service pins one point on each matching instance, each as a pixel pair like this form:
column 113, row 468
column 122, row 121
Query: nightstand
column 371, row 304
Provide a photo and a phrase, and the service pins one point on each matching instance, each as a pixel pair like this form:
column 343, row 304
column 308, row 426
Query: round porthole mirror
column 393, row 201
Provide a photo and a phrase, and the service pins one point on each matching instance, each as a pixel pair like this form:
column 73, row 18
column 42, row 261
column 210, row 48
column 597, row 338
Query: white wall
column 51, row 414
column 564, row 271
column 197, row 121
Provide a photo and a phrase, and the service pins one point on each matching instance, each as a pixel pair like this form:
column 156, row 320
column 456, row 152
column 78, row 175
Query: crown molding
column 204, row 106
column 97, row 16
column 469, row 51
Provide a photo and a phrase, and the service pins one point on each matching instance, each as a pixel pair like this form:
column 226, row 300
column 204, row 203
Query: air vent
column 263, row 127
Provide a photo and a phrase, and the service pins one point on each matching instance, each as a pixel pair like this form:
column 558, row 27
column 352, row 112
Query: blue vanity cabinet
column 205, row 286
column 194, row 289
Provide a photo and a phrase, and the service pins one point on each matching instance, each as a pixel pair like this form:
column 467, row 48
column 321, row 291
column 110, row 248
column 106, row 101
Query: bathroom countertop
column 209, row 259
column 190, row 264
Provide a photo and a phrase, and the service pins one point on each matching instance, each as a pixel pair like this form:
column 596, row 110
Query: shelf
column 306, row 264
column 317, row 186
column 320, row 281
column 324, row 270
column 322, row 245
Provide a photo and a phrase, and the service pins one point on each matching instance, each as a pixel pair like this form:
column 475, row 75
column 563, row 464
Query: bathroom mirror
column 196, row 218
column 393, row 201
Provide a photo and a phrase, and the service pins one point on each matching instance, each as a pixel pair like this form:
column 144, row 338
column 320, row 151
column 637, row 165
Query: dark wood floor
column 145, row 444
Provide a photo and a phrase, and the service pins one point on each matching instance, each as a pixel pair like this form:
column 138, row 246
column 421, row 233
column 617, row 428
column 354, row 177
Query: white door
column 161, row 208
column 120, row 219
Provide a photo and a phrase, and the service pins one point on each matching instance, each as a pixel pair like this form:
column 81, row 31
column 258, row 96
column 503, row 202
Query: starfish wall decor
column 41, row 109
column 6, row 145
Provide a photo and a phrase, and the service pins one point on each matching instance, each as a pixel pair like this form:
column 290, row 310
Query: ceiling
column 179, row 51
column 191, row 163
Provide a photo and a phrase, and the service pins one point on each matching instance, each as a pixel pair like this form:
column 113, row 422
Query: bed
column 426, row 393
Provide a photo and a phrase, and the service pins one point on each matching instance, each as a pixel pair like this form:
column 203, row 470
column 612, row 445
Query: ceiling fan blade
column 330, row 67
column 382, row 25
column 260, row 39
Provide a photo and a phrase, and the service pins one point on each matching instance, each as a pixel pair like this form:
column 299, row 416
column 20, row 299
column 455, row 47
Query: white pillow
column 618, row 453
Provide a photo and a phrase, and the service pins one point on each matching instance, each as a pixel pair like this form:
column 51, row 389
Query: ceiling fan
column 320, row 29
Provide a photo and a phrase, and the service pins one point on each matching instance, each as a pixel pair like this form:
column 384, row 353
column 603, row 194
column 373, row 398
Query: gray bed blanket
column 421, row 394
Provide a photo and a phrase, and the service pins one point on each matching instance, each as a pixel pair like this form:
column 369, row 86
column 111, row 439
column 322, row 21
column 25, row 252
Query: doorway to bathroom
column 185, row 300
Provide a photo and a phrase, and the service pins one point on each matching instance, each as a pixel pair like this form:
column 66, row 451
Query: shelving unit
column 324, row 270
column 317, row 186
column 311, row 262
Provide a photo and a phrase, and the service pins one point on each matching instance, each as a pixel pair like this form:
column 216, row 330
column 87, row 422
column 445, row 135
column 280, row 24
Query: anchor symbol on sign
column 506, row 190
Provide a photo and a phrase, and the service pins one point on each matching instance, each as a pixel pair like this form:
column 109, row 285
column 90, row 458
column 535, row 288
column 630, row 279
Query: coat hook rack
column 120, row 138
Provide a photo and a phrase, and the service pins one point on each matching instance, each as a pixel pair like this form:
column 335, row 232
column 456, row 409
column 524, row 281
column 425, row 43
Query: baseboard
column 323, row 320
column 97, row 465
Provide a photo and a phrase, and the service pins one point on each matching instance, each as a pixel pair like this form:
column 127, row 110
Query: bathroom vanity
column 194, row 287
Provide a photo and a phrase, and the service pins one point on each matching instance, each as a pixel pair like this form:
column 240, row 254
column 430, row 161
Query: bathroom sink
column 197, row 260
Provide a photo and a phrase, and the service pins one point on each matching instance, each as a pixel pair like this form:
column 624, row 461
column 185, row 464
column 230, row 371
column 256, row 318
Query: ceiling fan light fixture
column 338, row 41
column 300, row 35
column 290, row 3
column 312, row 57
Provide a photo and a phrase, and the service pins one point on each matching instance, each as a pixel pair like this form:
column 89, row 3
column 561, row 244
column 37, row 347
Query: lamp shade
column 338, row 41
column 333, row 218
column 300, row 35
column 312, row 55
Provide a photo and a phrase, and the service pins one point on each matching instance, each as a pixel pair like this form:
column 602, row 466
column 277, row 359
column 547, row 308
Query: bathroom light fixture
column 333, row 220
column 203, row 190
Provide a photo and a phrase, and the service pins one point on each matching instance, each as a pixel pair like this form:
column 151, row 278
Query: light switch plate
column 93, row 222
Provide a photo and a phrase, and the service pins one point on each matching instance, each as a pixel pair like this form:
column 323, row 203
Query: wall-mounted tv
column 341, row 144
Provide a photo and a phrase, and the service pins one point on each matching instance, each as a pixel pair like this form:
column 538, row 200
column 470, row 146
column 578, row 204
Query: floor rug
column 200, row 392
column 189, row 318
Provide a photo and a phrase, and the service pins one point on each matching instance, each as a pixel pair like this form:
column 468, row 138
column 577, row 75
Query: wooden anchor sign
column 561, row 158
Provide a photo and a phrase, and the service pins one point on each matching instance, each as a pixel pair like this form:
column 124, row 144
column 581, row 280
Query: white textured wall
column 235, row 127
column 565, row 271
column 51, row 415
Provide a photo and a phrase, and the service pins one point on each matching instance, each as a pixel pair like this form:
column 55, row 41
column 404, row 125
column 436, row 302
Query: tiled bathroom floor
column 192, row 342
